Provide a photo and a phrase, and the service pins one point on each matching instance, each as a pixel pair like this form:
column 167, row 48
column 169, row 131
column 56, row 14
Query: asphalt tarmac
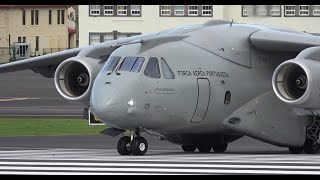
column 28, row 94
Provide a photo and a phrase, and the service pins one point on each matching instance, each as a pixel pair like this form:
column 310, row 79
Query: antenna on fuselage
column 231, row 23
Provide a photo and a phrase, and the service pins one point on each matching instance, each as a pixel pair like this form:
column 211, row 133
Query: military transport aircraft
column 199, row 86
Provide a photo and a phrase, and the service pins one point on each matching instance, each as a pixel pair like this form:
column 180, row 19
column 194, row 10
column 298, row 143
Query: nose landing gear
column 136, row 145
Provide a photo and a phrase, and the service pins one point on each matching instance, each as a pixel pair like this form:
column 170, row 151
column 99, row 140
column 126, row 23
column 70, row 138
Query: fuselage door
column 203, row 100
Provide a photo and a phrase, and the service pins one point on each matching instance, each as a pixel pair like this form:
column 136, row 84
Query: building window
column 179, row 10
column 316, row 10
column 94, row 10
column 108, row 10
column 62, row 16
column 108, row 37
column 206, row 10
column 120, row 35
column 290, row 10
column 23, row 17
column 244, row 10
column 122, row 10
column 304, row 10
column 34, row 17
column 24, row 40
column 135, row 10
column 37, row 43
column 275, row 10
column 19, row 39
column 193, row 10
column 261, row 10
column 50, row 16
column 165, row 10
column 94, row 39
column 58, row 16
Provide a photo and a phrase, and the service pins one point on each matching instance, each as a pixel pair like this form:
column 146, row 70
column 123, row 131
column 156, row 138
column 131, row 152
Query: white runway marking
column 104, row 162
column 16, row 99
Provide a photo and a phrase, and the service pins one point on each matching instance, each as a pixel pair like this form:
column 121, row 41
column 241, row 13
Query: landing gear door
column 203, row 100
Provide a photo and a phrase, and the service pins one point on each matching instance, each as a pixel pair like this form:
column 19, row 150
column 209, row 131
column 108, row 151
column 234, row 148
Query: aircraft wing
column 53, row 60
column 271, row 40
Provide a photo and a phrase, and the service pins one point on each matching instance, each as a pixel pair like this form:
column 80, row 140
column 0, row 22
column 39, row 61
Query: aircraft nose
column 106, row 104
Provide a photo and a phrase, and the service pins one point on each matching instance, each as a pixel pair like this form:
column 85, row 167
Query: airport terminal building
column 99, row 23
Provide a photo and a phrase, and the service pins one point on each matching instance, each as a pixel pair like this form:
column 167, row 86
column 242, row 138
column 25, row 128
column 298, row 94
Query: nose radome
column 105, row 102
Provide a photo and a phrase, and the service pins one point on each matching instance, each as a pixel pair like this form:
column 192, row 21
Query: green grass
column 30, row 127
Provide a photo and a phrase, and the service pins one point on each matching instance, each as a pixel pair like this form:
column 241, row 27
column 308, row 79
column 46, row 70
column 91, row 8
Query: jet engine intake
column 74, row 78
column 297, row 82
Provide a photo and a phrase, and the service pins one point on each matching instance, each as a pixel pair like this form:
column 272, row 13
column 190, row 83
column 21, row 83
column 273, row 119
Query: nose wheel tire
column 138, row 146
column 220, row 148
column 189, row 148
column 204, row 148
column 296, row 150
column 311, row 147
column 123, row 145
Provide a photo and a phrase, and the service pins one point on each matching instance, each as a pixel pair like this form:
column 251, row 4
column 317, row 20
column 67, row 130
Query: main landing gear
column 205, row 148
column 135, row 145
column 311, row 145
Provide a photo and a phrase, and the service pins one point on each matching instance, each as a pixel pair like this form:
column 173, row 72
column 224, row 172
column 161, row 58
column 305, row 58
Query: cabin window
column 167, row 72
column 132, row 64
column 152, row 69
column 111, row 63
column 227, row 98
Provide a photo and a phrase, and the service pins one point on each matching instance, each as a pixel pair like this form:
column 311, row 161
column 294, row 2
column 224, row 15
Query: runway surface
column 28, row 94
column 79, row 155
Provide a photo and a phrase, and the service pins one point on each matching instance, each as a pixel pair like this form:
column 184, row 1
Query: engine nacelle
column 74, row 78
column 297, row 82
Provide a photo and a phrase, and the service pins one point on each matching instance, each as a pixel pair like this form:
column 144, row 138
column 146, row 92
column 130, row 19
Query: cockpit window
column 167, row 72
column 137, row 65
column 111, row 63
column 132, row 64
column 152, row 69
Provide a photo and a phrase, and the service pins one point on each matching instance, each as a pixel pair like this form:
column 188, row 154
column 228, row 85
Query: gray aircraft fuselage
column 210, row 63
